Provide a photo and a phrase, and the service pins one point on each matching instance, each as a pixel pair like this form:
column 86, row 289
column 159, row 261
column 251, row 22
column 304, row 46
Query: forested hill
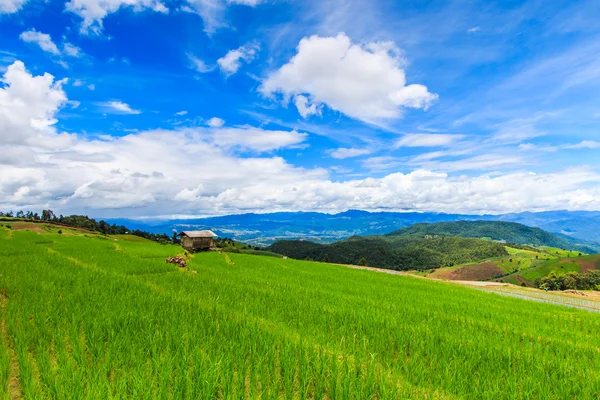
column 399, row 253
column 510, row 232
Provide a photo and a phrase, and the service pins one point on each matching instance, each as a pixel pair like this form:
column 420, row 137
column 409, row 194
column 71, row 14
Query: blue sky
column 148, row 108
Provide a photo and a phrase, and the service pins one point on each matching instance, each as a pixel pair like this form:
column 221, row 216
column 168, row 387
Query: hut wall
column 187, row 243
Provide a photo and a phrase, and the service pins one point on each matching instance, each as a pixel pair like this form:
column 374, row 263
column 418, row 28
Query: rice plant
column 99, row 318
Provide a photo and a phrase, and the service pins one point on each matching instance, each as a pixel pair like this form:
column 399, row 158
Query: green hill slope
column 510, row 232
column 110, row 319
column 399, row 253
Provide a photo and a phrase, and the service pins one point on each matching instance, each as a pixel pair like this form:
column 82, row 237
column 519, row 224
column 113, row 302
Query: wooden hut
column 197, row 240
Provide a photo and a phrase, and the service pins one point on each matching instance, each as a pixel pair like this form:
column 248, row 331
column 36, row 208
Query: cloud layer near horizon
column 202, row 170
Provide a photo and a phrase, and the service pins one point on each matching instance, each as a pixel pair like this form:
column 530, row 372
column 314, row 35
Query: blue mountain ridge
column 264, row 229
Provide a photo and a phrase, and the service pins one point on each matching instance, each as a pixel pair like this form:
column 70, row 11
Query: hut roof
column 199, row 234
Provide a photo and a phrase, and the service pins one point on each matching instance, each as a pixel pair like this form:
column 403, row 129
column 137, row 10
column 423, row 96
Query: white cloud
column 305, row 108
column 71, row 50
column 117, row 107
column 11, row 6
column 516, row 133
column 231, row 62
column 474, row 29
column 198, row 65
column 28, row 107
column 347, row 153
column 251, row 3
column 181, row 113
column 427, row 140
column 93, row 12
column 255, row 139
column 141, row 173
column 585, row 144
column 213, row 12
column 215, row 122
column 365, row 82
column 42, row 40
column 78, row 83
column 91, row 86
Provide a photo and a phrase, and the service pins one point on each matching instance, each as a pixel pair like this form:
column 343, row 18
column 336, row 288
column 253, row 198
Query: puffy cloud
column 42, row 40
column 117, row 107
column 93, row 12
column 363, row 81
column 201, row 170
column 347, row 153
column 181, row 113
column 28, row 108
column 11, row 6
column 427, row 140
column 215, row 122
column 231, row 62
column 474, row 29
column 304, row 107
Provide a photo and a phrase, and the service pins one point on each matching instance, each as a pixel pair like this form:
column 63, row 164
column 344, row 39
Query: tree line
column 589, row 280
column 85, row 222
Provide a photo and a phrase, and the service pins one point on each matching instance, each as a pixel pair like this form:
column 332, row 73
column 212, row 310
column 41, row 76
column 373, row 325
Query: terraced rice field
column 105, row 318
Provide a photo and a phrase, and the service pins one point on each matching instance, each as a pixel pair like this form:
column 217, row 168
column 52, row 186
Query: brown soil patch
column 588, row 265
column 475, row 272
column 21, row 226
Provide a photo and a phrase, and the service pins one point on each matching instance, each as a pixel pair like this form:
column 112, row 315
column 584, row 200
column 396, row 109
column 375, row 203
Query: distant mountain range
column 264, row 229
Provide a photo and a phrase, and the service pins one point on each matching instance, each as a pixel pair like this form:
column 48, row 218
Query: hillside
column 110, row 319
column 521, row 267
column 398, row 253
column 509, row 232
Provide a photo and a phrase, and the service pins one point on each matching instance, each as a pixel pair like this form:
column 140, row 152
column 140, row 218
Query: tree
column 362, row 261
column 48, row 215
column 326, row 258
column 20, row 214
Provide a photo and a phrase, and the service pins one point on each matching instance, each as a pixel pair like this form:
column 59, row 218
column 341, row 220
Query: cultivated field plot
column 98, row 317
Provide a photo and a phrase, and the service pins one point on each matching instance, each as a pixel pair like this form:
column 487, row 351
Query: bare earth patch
column 475, row 272
column 21, row 226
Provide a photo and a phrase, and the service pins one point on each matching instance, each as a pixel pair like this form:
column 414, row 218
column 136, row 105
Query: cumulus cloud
column 231, row 62
column 363, row 81
column 93, row 12
column 347, row 153
column 11, row 6
column 28, row 108
column 117, row 107
column 305, row 108
column 141, row 173
column 42, row 40
column 215, row 122
column 427, row 140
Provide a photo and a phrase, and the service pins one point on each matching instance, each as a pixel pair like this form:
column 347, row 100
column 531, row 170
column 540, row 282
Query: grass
column 85, row 317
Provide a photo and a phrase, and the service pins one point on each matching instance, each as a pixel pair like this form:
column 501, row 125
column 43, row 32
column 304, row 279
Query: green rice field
column 86, row 316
